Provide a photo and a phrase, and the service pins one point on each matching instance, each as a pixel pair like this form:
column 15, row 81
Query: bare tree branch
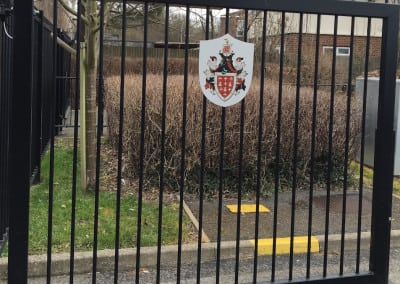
column 252, row 20
column 72, row 11
column 107, row 13
column 132, row 14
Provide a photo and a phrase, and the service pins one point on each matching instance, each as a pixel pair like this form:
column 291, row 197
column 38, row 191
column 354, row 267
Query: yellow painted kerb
column 247, row 208
column 283, row 245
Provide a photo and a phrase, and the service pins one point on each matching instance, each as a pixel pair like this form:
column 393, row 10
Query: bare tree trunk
column 91, row 106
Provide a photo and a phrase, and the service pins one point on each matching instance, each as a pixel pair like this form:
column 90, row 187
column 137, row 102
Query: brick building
column 309, row 32
column 326, row 44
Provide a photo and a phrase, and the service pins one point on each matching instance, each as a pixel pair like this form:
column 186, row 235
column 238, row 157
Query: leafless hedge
column 112, row 67
column 193, row 134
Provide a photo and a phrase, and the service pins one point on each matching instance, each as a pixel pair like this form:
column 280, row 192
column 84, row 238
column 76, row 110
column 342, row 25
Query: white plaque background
column 212, row 48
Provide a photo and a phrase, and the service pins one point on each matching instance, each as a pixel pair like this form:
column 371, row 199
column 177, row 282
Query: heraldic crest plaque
column 225, row 69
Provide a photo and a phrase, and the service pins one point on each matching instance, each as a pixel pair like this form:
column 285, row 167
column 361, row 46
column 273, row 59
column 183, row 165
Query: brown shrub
column 112, row 66
column 173, row 132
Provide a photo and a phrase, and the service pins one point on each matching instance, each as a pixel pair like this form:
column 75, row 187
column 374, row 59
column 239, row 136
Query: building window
column 240, row 28
column 340, row 50
column 343, row 51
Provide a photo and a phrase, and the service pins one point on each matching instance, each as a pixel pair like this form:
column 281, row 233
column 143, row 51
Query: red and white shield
column 226, row 84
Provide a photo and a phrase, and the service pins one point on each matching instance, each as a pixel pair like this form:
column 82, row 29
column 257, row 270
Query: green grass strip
column 85, row 213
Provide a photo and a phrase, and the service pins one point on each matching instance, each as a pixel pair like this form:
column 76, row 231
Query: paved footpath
column 188, row 273
column 247, row 224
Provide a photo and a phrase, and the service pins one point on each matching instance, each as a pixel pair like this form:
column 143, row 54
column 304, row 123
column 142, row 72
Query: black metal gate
column 40, row 101
column 290, row 144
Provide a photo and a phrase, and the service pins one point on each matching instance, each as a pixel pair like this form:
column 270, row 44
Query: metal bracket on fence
column 6, row 8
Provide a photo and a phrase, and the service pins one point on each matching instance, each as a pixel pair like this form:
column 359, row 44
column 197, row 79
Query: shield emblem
column 226, row 84
column 225, row 69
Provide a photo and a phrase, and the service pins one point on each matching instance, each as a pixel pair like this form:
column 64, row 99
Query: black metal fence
column 5, row 104
column 41, row 101
column 257, row 145
column 42, row 98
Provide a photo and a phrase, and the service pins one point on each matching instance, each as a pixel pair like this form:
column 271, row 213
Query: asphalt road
column 227, row 270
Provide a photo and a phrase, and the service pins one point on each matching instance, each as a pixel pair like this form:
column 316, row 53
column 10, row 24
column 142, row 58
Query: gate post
column 384, row 153
column 19, row 174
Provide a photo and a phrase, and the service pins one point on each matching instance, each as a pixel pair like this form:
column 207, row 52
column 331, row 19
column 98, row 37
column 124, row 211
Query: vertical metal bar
column 259, row 146
column 34, row 136
column 58, row 95
column 278, row 147
column 295, row 142
column 346, row 151
column 221, row 175
column 240, row 182
column 9, row 88
column 100, row 110
column 162, row 153
column 202, row 166
column 312, row 159
column 330, row 146
column 36, row 101
column 45, row 92
column 39, row 93
column 52, row 134
column 384, row 152
column 220, row 191
column 120, row 143
column 183, row 143
column 142, row 132
column 3, row 139
column 363, row 120
column 19, row 174
column 75, row 150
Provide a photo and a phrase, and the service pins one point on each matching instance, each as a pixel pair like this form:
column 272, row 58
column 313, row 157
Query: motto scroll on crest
column 225, row 69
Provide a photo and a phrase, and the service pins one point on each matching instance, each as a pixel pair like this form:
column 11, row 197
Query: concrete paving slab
column 301, row 221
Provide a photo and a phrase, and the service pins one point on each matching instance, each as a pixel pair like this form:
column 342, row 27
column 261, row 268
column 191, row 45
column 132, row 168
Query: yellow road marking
column 283, row 245
column 247, row 208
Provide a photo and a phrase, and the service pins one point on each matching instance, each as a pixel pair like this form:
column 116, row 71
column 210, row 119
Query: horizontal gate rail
column 329, row 7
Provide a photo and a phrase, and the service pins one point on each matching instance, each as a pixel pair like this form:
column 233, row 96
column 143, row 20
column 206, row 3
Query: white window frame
column 278, row 49
column 338, row 48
